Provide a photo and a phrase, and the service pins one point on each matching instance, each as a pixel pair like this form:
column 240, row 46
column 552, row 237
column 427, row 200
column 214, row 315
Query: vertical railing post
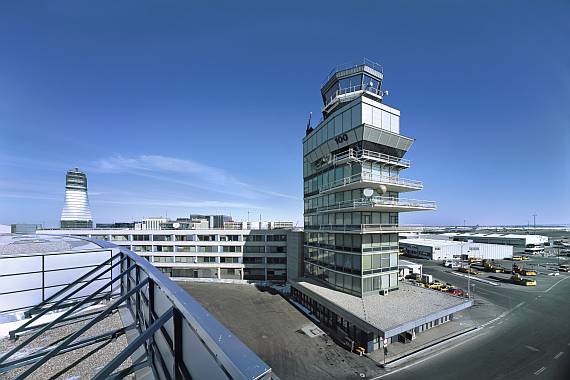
column 177, row 343
column 150, row 350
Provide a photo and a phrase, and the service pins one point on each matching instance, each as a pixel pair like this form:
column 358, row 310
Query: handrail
column 166, row 319
column 369, row 177
column 351, row 64
column 377, row 201
column 369, row 154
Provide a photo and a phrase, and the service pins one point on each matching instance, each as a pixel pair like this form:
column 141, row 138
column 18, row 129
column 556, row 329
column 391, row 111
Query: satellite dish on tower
column 381, row 189
column 368, row 192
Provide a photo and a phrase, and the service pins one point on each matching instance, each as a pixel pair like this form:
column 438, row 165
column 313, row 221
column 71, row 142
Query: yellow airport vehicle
column 563, row 268
column 492, row 268
column 466, row 270
column 515, row 258
column 525, row 258
column 523, row 272
column 518, row 279
column 474, row 260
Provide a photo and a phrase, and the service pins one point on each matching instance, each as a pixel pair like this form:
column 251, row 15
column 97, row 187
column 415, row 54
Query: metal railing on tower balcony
column 169, row 335
column 378, row 201
column 375, row 178
column 387, row 227
column 351, row 64
column 369, row 155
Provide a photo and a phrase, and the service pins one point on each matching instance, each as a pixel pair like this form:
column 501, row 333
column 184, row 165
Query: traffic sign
column 385, row 342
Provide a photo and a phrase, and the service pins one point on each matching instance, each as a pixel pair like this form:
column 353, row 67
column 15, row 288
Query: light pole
column 534, row 223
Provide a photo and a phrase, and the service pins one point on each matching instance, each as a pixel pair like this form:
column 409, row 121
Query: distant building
column 516, row 240
column 191, row 249
column 76, row 211
column 24, row 228
column 439, row 249
column 5, row 229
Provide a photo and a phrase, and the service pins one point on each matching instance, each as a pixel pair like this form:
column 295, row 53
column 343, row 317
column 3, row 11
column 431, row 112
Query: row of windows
column 214, row 259
column 208, row 248
column 354, row 264
column 353, row 242
column 192, row 237
column 351, row 284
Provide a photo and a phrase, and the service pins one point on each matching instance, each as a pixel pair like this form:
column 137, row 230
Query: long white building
column 438, row 249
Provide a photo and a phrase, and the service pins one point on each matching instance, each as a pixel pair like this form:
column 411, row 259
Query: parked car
column 455, row 292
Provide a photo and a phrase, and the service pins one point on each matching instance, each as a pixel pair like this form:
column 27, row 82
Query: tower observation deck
column 76, row 211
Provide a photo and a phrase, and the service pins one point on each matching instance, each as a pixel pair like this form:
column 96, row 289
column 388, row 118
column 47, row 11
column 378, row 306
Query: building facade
column 76, row 212
column 259, row 255
column 352, row 185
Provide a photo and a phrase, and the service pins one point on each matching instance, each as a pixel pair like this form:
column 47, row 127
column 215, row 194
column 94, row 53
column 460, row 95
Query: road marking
column 559, row 355
column 491, row 327
column 555, row 284
column 423, row 360
column 540, row 371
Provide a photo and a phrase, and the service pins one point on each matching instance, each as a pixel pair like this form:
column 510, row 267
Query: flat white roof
column 14, row 244
column 408, row 304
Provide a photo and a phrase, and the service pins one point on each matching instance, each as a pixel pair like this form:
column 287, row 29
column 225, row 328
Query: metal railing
column 171, row 335
column 353, row 90
column 369, row 177
column 370, row 155
column 367, row 227
column 349, row 65
column 378, row 201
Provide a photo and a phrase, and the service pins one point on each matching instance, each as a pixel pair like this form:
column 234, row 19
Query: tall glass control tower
column 352, row 185
column 76, row 211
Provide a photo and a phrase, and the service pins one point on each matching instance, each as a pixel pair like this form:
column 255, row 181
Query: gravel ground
column 90, row 359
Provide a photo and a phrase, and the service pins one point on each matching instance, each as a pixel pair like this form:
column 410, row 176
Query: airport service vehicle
column 466, row 270
column 474, row 260
column 446, row 262
column 524, row 272
column 489, row 267
column 563, row 268
column 525, row 258
column 533, row 249
column 515, row 258
column 518, row 279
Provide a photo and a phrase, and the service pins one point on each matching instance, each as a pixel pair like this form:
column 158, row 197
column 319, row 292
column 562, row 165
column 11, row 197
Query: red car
column 455, row 292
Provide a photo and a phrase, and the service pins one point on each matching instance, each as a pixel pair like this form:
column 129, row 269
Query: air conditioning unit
column 384, row 292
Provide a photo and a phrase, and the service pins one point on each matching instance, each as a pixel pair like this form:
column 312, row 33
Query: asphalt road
column 525, row 333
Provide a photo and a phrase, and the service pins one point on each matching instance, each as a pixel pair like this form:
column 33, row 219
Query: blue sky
column 179, row 107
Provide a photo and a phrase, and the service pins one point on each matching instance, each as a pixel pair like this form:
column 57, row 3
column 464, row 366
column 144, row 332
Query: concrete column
column 241, row 273
column 265, row 269
column 218, row 271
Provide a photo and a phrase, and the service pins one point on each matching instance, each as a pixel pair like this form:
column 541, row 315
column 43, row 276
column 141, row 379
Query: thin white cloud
column 196, row 174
